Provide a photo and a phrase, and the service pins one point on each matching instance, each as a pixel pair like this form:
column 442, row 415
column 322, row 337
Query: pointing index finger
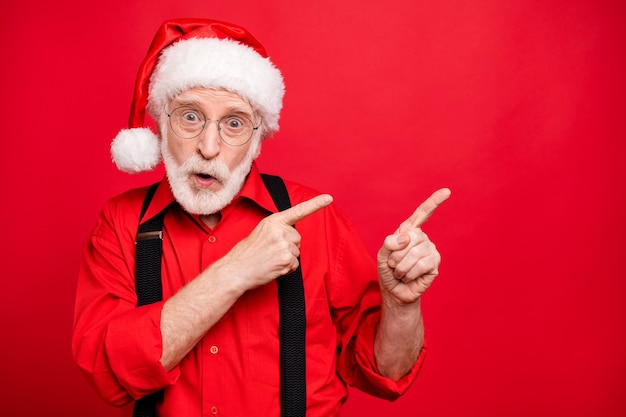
column 298, row 212
column 426, row 209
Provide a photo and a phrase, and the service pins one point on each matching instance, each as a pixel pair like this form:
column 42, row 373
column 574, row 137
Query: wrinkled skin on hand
column 408, row 262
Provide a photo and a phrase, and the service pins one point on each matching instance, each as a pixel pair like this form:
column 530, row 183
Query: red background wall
column 517, row 106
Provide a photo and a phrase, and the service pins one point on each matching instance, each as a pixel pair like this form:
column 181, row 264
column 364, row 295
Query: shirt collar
column 253, row 189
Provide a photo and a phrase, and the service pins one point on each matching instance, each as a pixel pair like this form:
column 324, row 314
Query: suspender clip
column 157, row 234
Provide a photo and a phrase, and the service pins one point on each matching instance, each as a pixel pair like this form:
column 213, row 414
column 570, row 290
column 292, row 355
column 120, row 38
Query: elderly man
column 255, row 310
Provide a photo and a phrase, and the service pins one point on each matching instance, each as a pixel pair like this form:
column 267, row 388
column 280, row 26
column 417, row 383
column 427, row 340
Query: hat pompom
column 136, row 150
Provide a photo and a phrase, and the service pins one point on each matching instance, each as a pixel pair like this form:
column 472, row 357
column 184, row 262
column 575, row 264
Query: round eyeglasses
column 188, row 123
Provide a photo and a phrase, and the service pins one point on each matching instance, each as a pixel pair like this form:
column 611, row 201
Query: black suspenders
column 148, row 250
column 290, row 298
column 292, row 322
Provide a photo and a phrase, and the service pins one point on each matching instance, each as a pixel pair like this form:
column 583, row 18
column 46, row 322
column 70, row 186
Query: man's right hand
column 272, row 248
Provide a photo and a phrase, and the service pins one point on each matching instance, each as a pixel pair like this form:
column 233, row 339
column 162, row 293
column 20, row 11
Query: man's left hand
column 408, row 262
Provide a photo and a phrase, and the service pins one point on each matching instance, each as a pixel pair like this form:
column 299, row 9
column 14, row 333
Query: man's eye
column 234, row 123
column 190, row 117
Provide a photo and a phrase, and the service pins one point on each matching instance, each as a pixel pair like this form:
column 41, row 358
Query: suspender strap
column 292, row 322
column 148, row 281
column 146, row 406
column 148, row 255
column 290, row 298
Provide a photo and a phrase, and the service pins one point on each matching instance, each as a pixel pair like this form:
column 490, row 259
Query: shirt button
column 212, row 239
column 214, row 350
column 214, row 410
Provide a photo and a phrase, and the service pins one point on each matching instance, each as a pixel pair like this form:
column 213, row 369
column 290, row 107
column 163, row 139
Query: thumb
column 393, row 243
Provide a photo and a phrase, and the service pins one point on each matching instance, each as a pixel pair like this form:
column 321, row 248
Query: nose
column 209, row 142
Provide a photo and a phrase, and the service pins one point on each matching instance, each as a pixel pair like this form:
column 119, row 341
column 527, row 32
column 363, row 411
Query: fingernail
column 402, row 239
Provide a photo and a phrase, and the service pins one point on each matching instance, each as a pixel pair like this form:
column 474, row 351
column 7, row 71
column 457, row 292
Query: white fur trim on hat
column 136, row 150
column 218, row 63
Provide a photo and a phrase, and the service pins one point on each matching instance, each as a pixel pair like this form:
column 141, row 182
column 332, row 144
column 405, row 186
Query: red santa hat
column 187, row 53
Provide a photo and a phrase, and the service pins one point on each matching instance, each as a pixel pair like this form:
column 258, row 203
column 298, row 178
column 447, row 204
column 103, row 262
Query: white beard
column 200, row 200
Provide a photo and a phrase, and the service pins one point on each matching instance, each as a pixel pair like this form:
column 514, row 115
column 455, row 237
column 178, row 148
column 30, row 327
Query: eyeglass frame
column 205, row 123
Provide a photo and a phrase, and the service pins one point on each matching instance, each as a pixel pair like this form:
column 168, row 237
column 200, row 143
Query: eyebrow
column 187, row 101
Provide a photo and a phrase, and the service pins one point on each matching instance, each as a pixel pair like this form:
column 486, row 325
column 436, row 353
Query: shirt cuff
column 134, row 347
column 384, row 387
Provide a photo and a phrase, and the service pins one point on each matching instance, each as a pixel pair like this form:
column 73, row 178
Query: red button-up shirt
column 234, row 370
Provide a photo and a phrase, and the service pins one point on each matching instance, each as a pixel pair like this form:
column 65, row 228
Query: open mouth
column 204, row 180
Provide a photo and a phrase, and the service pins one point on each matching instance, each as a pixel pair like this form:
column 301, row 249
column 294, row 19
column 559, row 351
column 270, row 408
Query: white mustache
column 197, row 165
